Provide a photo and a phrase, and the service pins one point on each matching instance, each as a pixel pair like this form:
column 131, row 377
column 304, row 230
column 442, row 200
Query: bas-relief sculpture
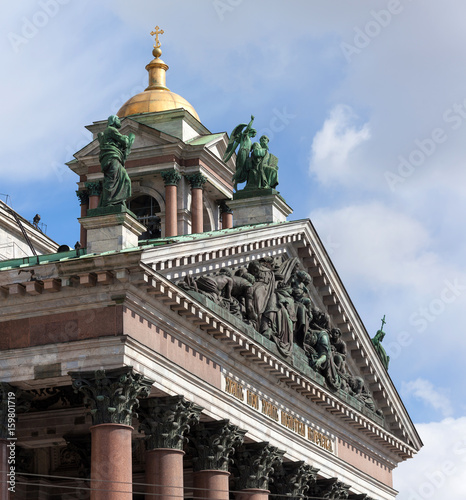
column 114, row 149
column 272, row 295
column 254, row 164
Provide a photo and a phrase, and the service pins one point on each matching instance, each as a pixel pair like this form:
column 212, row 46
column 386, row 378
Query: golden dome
column 157, row 96
column 155, row 100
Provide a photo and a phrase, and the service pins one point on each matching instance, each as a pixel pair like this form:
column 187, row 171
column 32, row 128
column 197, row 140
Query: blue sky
column 365, row 106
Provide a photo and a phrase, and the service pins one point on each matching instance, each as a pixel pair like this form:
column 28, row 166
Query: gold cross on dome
column 157, row 32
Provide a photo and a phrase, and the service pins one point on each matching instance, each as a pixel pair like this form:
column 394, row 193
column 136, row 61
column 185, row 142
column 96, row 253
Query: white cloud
column 333, row 144
column 378, row 246
column 439, row 469
column 426, row 392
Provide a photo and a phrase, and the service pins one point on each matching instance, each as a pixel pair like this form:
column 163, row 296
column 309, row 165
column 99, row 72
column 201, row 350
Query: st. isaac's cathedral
column 196, row 343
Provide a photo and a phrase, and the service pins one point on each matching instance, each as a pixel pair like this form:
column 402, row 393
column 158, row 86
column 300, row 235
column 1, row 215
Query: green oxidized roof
column 212, row 234
column 143, row 245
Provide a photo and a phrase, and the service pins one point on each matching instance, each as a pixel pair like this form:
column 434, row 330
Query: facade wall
column 62, row 327
column 165, row 344
column 362, row 461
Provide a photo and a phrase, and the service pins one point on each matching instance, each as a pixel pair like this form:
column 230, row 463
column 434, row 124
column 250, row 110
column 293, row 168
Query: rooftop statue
column 254, row 164
column 377, row 342
column 114, row 149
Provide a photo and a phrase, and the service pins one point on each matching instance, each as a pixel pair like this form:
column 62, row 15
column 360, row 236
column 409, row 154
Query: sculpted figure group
column 254, row 164
column 273, row 296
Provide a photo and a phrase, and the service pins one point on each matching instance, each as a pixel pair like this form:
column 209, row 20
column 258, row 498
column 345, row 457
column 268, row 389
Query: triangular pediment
column 352, row 378
column 146, row 138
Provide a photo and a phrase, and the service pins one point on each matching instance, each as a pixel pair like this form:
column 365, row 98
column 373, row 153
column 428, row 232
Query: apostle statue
column 114, row 149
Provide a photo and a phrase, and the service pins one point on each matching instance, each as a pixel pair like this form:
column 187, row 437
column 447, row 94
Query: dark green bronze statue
column 377, row 342
column 114, row 149
column 254, row 164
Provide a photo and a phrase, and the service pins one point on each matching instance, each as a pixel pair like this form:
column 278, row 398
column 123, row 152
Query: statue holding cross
column 377, row 343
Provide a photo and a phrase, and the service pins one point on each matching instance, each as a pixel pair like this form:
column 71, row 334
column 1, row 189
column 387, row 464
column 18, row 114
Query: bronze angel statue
column 254, row 164
column 241, row 136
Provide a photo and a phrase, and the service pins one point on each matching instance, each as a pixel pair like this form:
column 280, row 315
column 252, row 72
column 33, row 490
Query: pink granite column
column 111, row 462
column 227, row 220
column 165, row 421
column 4, row 493
column 171, row 179
column 259, row 460
column 211, row 485
column 84, row 201
column 252, row 494
column 197, row 215
column 197, row 201
column 226, row 215
column 212, row 444
column 94, row 190
column 164, row 474
column 112, row 396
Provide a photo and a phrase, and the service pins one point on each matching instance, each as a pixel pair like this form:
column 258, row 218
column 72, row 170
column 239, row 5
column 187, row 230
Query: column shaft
column 164, row 474
column 171, row 210
column 83, row 232
column 197, row 212
column 111, row 462
column 227, row 220
column 4, row 467
column 211, row 485
column 94, row 201
column 252, row 494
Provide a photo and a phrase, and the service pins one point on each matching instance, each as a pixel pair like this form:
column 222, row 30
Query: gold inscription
column 319, row 439
column 270, row 410
column 293, row 423
column 253, row 400
column 234, row 388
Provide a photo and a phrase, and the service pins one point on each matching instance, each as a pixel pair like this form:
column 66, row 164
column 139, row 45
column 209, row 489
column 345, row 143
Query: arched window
column 146, row 210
